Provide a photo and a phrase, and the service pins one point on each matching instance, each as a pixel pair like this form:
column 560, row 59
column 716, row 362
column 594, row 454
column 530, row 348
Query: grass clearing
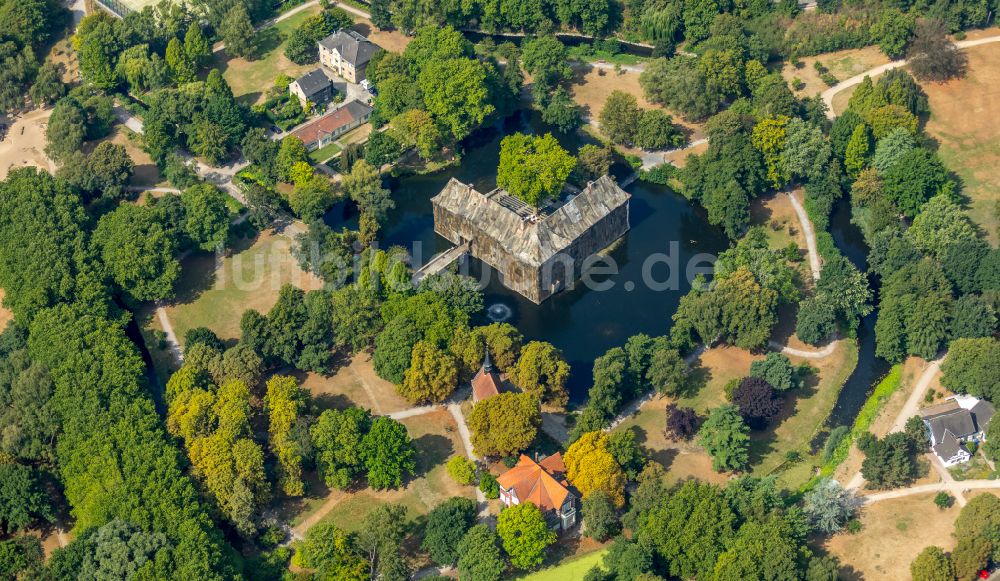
column 436, row 438
column 324, row 153
column 214, row 292
column 842, row 64
column 893, row 533
column 575, row 568
column 249, row 79
column 963, row 121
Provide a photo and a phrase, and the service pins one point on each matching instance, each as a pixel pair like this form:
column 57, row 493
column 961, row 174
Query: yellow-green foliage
column 591, row 467
column 284, row 400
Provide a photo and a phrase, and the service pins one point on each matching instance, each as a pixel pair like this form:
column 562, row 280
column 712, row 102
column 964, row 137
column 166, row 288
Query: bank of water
column 870, row 369
column 667, row 235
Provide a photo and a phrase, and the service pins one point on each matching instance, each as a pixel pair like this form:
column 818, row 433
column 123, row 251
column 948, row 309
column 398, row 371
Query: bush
column 943, row 500
column 462, row 470
column 489, row 486
column 829, row 79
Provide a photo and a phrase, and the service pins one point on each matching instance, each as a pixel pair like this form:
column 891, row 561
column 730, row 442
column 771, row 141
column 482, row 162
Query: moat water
column 586, row 322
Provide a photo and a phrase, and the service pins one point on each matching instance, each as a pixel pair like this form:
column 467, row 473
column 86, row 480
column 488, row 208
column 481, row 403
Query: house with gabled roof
column 347, row 53
column 544, row 485
column 954, row 423
column 313, row 87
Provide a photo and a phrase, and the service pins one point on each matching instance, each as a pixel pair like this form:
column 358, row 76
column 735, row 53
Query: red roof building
column 542, row 484
column 486, row 383
column 332, row 125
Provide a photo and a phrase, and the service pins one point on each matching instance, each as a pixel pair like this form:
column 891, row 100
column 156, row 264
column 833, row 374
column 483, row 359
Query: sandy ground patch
column 24, row 144
column 964, row 121
column 590, row 88
column 5, row 315
column 357, row 384
column 390, row 40
column 893, row 533
column 679, row 157
column 62, row 53
column 843, row 64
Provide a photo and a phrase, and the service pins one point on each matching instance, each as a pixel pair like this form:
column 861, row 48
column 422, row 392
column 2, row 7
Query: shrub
column 489, row 486
column 943, row 500
column 462, row 470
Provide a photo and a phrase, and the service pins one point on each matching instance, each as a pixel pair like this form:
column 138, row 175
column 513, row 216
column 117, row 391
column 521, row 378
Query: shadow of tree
column 432, row 449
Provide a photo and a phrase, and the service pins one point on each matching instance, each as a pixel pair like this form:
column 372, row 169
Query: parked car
column 276, row 130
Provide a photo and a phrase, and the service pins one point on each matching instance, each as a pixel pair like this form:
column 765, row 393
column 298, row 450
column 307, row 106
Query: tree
column 656, row 130
column 388, row 453
column 769, row 138
column 916, row 177
column 891, row 147
column 889, row 462
column 593, row 161
column 138, row 253
column 980, row 518
column 456, row 93
column 599, row 514
column 105, row 172
column 807, row 152
column 545, row 58
column 336, row 437
column 417, row 128
column 893, row 32
column 380, row 537
column 290, row 152
column 991, row 448
column 973, row 367
column 22, row 499
column 447, row 525
column 776, row 370
column 504, row 424
column 525, row 535
column 479, row 557
column 23, row 557
column 858, row 148
column 757, row 402
column 284, row 400
column 381, row 17
column 689, row 528
column 382, row 148
column 542, row 370
column 328, row 549
column 761, row 550
column 931, row 56
column 532, row 168
column 48, row 87
column 561, row 112
column 620, row 117
column 682, row 422
column 237, row 32
column 119, row 550
column 364, row 185
column 941, row 223
column 943, row 500
column 932, row 564
column 970, row 557
column 206, row 216
column 462, row 470
column 725, row 436
column 829, row 506
column 196, row 46
column 66, row 129
column 182, row 67
column 432, row 375
column 590, row 467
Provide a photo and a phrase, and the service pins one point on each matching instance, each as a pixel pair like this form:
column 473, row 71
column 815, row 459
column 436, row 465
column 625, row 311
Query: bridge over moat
column 440, row 262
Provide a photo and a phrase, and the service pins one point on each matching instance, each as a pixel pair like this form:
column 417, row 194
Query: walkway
column 440, row 262
column 956, row 487
column 829, row 94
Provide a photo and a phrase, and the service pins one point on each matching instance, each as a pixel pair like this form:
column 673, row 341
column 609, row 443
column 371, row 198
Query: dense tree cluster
column 26, row 29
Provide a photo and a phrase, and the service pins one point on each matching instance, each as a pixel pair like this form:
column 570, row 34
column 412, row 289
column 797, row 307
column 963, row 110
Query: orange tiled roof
column 485, row 384
column 533, row 482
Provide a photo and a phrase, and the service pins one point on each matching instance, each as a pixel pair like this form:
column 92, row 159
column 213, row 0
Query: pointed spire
column 487, row 363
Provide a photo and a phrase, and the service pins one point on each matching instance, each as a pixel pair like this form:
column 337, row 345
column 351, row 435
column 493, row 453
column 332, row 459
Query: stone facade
column 536, row 254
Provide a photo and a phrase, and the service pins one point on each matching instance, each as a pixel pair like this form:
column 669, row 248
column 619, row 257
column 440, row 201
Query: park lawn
column 963, row 121
column 574, row 568
column 436, row 438
column 893, row 533
column 804, row 415
column 355, row 383
column 843, row 64
column 324, row 153
column 250, row 79
column 214, row 292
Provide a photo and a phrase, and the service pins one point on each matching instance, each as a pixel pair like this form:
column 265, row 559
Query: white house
column 950, row 425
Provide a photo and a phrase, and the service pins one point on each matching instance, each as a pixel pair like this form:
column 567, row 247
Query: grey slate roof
column 981, row 413
column 357, row 109
column 352, row 47
column 532, row 240
column 958, row 422
column 313, row 82
column 948, row 448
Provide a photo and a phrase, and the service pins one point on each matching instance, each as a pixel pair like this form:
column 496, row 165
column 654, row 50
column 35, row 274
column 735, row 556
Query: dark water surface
column 583, row 323
column 870, row 369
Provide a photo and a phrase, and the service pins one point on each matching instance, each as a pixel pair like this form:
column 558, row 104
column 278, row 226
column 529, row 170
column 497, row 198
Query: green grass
column 250, row 79
column 574, row 568
column 873, row 405
column 324, row 153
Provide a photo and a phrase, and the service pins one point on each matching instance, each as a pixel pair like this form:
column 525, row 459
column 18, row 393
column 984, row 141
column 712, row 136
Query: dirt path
column 955, row 487
column 829, row 94
column 221, row 46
